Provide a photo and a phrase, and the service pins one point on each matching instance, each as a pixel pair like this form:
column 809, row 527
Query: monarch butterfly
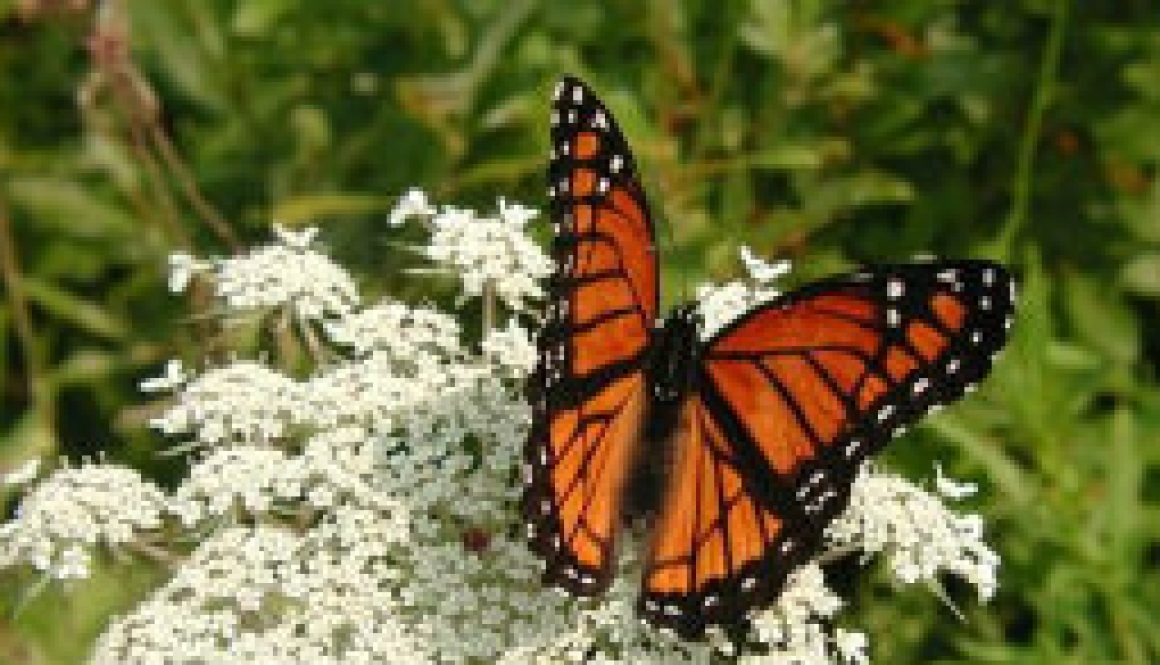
column 762, row 426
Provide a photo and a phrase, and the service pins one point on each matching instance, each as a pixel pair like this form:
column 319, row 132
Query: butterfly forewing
column 791, row 399
column 589, row 390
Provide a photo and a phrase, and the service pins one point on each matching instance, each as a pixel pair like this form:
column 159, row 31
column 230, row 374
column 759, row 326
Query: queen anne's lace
column 494, row 251
column 76, row 509
column 363, row 514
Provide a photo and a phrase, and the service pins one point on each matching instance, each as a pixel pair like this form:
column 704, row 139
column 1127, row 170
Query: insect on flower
column 766, row 423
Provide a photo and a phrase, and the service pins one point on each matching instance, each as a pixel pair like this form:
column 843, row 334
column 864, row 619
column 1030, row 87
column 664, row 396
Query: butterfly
column 758, row 431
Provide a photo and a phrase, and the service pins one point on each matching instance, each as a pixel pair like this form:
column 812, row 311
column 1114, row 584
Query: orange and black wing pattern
column 589, row 392
column 789, row 400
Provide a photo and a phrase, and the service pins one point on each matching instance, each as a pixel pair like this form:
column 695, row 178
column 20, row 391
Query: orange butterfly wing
column 791, row 398
column 589, row 392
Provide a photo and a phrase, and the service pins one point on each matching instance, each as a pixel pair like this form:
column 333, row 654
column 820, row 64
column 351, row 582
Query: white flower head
column 512, row 349
column 951, row 488
column 244, row 402
column 399, row 329
column 23, row 474
column 920, row 536
column 286, row 274
column 299, row 239
column 173, row 378
column 413, row 203
column 75, row 509
column 182, row 268
column 761, row 270
column 721, row 304
column 492, row 251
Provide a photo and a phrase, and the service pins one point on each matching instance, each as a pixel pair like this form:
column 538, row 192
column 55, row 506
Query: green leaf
column 315, row 207
column 1141, row 274
column 787, row 157
column 84, row 314
column 1101, row 319
column 254, row 18
column 185, row 44
column 67, row 207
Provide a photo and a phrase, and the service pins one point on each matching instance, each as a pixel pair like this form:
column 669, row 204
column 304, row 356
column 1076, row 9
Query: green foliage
column 828, row 132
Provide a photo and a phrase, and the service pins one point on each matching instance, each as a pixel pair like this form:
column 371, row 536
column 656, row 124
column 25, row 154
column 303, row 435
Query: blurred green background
column 831, row 133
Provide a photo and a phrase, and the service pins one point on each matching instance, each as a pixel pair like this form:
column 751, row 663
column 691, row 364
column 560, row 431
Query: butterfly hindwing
column 790, row 399
column 589, row 392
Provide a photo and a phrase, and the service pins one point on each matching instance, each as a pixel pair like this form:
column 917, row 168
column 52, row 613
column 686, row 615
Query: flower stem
column 1025, row 164
column 489, row 306
column 39, row 387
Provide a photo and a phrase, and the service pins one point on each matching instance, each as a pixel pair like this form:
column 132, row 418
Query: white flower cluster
column 719, row 304
column 266, row 594
column 364, row 513
column 377, row 327
column 286, row 273
column 495, row 251
column 795, row 625
column 920, row 536
column 244, row 402
column 75, row 509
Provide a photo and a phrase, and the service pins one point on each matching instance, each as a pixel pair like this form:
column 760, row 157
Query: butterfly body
column 672, row 368
column 743, row 446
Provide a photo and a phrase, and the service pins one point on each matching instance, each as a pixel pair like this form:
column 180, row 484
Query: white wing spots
column 651, row 605
column 559, row 90
column 543, row 457
column 587, row 580
column 952, row 365
column 808, row 486
column 892, row 318
column 565, row 148
column 572, row 116
column 976, row 337
column 985, row 302
column 894, row 289
column 602, row 186
column 599, row 120
column 554, row 118
column 885, row 412
column 578, row 95
column 570, row 572
column 899, row 431
column 949, row 276
column 1007, row 323
column 785, row 547
column 545, row 506
column 1012, row 288
column 710, row 601
column 551, row 192
column 531, row 530
column 526, row 471
column 988, row 277
column 852, row 448
column 616, row 163
column 920, row 385
column 748, row 583
column 556, row 541
column 672, row 610
column 970, row 387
